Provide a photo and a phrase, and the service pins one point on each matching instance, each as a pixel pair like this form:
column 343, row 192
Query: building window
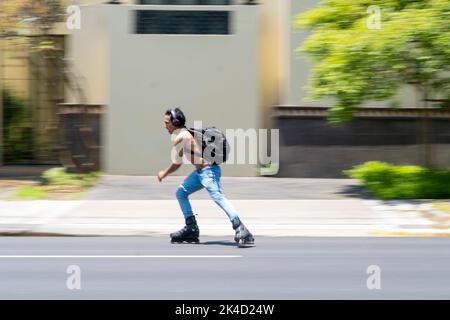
column 182, row 22
column 187, row 2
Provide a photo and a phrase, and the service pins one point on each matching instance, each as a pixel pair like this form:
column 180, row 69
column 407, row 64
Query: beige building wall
column 213, row 78
column 273, row 50
column 87, row 51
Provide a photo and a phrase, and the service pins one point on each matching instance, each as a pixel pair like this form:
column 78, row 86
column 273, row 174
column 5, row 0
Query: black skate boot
column 189, row 233
column 243, row 237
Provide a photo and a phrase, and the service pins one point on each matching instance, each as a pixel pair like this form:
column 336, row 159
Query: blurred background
column 84, row 84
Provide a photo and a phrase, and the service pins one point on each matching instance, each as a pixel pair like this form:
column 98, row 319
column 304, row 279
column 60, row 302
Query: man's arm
column 177, row 162
column 172, row 168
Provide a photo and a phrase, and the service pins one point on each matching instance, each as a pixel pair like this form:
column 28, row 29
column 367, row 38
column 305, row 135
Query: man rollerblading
column 206, row 175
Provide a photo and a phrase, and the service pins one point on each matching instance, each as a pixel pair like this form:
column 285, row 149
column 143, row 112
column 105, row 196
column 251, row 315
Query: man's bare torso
column 187, row 146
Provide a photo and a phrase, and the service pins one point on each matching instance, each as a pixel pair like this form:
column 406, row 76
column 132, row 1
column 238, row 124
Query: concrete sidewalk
column 135, row 206
column 243, row 188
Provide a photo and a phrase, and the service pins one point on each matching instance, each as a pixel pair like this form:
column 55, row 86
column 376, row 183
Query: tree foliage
column 22, row 15
column 355, row 64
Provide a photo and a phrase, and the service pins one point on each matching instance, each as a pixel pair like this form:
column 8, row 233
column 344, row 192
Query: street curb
column 422, row 234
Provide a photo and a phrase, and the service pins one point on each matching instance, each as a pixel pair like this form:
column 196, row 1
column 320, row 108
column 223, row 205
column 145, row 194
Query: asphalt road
column 277, row 268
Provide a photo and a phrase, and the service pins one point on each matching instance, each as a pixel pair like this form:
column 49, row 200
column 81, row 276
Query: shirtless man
column 206, row 175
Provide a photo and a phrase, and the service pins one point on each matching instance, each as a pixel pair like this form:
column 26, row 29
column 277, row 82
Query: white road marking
column 116, row 256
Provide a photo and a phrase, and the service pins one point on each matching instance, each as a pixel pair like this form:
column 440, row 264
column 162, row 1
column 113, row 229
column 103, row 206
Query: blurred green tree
column 358, row 60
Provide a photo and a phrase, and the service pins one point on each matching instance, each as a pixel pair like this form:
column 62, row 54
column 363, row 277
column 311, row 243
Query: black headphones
column 173, row 118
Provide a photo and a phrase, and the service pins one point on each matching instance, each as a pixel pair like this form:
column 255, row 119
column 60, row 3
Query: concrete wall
column 213, row 78
column 310, row 147
column 299, row 64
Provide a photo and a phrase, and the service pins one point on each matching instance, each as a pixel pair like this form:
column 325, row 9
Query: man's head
column 174, row 119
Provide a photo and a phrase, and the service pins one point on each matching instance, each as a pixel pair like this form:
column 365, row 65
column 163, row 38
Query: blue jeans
column 208, row 178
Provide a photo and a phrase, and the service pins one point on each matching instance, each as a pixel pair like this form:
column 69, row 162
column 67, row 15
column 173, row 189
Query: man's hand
column 164, row 173
column 161, row 175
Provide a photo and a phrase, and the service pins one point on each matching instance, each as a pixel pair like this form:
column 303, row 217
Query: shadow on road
column 24, row 172
column 220, row 243
column 355, row 191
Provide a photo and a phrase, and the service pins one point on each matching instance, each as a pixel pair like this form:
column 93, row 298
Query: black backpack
column 215, row 147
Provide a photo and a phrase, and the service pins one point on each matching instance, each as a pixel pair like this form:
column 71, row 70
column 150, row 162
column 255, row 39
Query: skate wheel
column 185, row 241
column 243, row 244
